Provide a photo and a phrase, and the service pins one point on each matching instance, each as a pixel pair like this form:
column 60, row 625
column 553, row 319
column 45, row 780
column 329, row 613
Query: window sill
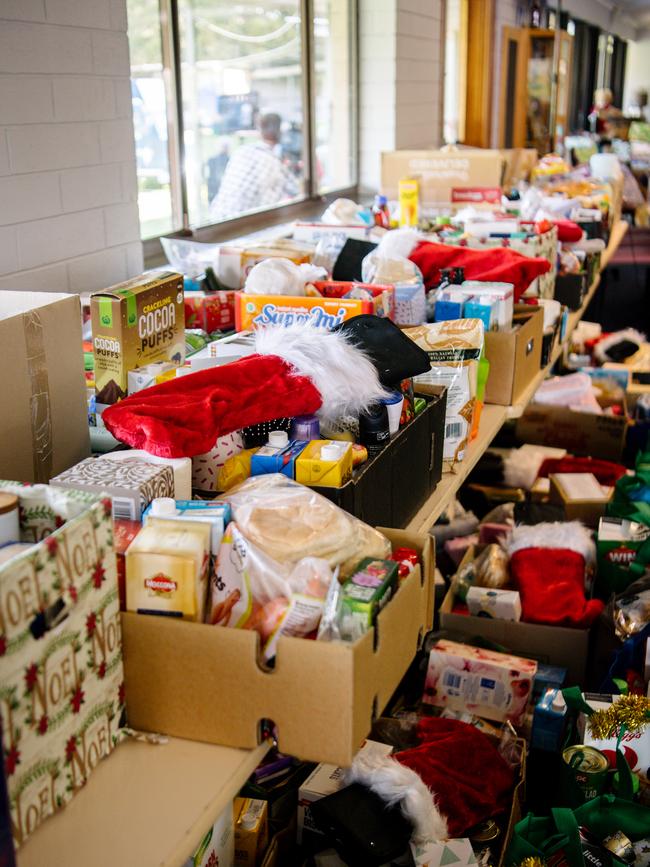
column 253, row 226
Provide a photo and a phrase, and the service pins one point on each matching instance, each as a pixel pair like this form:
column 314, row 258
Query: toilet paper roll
column 181, row 467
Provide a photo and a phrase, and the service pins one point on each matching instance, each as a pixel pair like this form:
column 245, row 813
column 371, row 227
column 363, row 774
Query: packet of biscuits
column 454, row 348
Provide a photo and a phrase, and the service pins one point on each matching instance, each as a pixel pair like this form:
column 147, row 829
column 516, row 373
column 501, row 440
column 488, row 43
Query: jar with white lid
column 9, row 521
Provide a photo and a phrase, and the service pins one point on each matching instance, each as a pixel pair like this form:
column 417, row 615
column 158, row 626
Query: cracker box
column 494, row 685
column 132, row 483
column 61, row 676
column 136, row 323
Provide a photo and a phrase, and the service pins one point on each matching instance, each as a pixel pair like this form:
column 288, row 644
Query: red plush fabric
column 184, row 417
column 607, row 472
column 497, row 264
column 463, row 769
column 551, row 583
column 568, row 231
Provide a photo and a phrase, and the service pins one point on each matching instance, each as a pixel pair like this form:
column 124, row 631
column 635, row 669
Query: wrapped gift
column 61, row 676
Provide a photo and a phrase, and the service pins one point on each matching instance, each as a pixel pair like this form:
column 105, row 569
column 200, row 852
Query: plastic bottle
column 380, row 212
column 374, row 432
column 481, row 381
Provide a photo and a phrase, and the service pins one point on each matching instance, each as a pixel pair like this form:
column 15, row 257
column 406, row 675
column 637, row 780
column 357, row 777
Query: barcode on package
column 124, row 509
column 452, row 680
column 454, row 429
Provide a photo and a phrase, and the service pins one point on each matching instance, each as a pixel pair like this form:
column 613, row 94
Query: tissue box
column 132, row 484
column 61, row 653
column 581, row 495
column 457, row 852
column 489, row 684
column 498, row 604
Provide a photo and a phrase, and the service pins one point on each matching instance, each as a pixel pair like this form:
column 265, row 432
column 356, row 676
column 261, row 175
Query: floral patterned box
column 61, row 676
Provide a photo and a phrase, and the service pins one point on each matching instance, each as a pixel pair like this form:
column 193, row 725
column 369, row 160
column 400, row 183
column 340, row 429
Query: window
column 240, row 107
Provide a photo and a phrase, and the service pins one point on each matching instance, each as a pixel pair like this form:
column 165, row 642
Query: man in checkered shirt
column 255, row 176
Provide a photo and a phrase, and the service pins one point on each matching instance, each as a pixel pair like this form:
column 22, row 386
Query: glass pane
column 149, row 118
column 335, row 107
column 242, row 106
column 454, row 94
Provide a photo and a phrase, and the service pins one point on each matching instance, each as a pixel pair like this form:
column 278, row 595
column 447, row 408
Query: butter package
column 497, row 604
column 134, row 324
column 277, row 459
column 409, row 202
column 131, row 483
column 167, row 570
column 326, row 463
column 494, row 685
column 364, row 594
column 251, row 831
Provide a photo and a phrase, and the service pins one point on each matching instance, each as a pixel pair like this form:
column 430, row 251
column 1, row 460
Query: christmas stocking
column 548, row 563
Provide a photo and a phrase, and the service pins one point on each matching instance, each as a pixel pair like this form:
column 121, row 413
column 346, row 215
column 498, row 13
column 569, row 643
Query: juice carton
column 327, row 463
column 409, row 201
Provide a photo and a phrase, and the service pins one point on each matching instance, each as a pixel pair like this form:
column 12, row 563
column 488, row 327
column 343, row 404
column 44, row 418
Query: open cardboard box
column 514, row 355
column 580, row 433
column 204, row 683
column 589, row 510
column 552, row 645
column 390, row 488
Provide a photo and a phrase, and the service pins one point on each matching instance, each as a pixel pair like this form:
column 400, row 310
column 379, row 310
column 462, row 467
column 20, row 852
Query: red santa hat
column 296, row 370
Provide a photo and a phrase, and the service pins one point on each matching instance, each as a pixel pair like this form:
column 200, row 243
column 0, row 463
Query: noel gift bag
column 61, row 677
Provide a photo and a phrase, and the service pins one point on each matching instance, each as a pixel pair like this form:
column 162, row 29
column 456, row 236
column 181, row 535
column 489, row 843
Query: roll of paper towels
column 181, row 467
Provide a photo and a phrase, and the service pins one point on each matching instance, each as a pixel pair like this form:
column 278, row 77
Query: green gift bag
column 628, row 500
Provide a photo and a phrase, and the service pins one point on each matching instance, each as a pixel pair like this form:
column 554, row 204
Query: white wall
column 637, row 69
column 68, row 193
column 401, row 65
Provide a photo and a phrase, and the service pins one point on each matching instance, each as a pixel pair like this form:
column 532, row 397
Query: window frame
column 255, row 221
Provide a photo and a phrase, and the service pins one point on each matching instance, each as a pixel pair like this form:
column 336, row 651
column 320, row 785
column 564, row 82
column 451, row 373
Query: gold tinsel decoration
column 631, row 711
column 532, row 861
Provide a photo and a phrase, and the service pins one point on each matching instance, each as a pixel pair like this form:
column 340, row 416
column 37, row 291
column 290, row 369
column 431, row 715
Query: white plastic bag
column 277, row 276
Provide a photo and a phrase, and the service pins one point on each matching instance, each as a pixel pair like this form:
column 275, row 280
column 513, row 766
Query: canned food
column 588, row 767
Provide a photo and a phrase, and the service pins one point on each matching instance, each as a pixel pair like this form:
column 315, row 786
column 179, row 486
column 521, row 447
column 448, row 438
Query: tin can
column 621, row 846
column 588, row 768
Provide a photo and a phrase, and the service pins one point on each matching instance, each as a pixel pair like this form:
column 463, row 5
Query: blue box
column 549, row 721
column 484, row 312
column 448, row 310
column 269, row 459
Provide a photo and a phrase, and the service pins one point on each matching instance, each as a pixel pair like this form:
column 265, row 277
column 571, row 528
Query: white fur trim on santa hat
column 565, row 535
column 521, row 467
column 600, row 349
column 396, row 784
column 343, row 374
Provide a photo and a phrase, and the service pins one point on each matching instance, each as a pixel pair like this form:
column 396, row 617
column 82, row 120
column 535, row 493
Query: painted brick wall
column 68, row 192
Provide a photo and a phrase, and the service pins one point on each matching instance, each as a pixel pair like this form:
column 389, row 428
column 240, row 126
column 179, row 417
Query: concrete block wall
column 401, row 67
column 68, row 189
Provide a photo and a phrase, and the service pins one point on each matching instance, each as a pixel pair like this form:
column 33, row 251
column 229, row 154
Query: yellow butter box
column 167, row 569
column 327, row 463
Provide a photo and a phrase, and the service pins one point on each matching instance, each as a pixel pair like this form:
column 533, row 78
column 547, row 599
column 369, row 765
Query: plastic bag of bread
column 250, row 590
column 289, row 521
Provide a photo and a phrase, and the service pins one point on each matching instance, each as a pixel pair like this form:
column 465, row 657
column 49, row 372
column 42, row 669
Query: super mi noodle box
column 134, row 324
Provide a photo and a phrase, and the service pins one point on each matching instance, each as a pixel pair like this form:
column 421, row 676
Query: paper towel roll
column 182, row 469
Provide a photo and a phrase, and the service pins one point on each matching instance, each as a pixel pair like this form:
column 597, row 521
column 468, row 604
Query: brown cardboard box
column 44, row 426
column 204, row 683
column 136, row 323
column 514, row 355
column 580, row 433
column 553, row 645
column 519, row 162
column 589, row 509
column 438, row 171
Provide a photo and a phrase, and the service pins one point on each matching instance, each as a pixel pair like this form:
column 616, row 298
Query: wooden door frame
column 480, row 54
column 521, row 37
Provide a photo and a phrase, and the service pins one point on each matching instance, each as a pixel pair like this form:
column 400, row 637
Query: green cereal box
column 364, row 594
column 617, row 543
column 136, row 323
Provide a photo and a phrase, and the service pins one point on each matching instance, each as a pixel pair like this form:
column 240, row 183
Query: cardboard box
column 322, row 696
column 44, row 424
column 61, row 663
column 554, row 645
column 581, row 496
column 580, row 433
column 439, row 171
column 136, row 323
column 211, row 311
column 514, row 356
column 390, row 488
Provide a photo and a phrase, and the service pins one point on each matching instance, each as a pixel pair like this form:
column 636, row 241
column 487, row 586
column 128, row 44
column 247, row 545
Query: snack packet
column 250, row 590
column 454, row 347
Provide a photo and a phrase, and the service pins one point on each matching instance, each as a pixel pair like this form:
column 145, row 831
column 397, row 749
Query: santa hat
column 440, row 784
column 494, row 264
column 548, row 563
column 619, row 345
column 297, row 370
